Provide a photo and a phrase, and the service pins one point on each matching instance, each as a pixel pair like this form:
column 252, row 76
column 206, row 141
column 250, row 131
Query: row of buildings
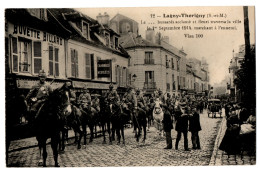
column 70, row 45
column 235, row 64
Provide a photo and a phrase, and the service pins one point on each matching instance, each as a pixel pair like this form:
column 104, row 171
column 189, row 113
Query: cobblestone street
column 151, row 153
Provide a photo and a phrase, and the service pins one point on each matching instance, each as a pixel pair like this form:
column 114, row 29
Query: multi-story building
column 67, row 45
column 235, row 64
column 155, row 63
column 201, row 74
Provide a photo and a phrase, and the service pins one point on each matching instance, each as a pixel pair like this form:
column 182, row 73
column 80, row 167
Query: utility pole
column 247, row 34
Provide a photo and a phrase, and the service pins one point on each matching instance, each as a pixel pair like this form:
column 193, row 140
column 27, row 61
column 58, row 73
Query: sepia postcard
column 130, row 86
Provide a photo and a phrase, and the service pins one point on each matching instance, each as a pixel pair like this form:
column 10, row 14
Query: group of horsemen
column 133, row 99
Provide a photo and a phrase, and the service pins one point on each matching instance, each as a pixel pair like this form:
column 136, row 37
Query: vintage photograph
column 130, row 86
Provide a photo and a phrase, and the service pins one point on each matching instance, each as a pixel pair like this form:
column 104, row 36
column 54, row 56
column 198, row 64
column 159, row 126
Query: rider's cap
column 42, row 74
column 111, row 85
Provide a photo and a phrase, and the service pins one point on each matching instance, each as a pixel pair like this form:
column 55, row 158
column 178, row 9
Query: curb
column 214, row 160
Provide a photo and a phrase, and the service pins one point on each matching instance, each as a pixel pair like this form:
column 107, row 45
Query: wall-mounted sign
column 28, row 84
column 92, row 85
column 25, row 31
column 104, row 68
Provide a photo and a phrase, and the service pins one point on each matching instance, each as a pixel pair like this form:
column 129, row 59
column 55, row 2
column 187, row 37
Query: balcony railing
column 150, row 85
column 148, row 61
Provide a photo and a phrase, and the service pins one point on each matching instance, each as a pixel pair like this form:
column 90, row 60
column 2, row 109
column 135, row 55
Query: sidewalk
column 220, row 157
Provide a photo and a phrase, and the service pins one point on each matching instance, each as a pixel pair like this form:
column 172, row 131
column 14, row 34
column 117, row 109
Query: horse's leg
column 54, row 146
column 113, row 131
column 63, row 137
column 44, row 153
column 109, row 132
column 40, row 162
column 84, row 128
column 118, row 134
column 123, row 134
column 95, row 130
column 103, row 125
column 144, row 128
column 91, row 127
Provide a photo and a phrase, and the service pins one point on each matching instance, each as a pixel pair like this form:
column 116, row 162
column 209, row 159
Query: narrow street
column 151, row 153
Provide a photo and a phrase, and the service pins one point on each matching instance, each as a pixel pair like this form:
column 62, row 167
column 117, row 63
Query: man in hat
column 167, row 126
column 181, row 126
column 168, row 100
column 84, row 98
column 38, row 93
column 112, row 96
column 194, row 127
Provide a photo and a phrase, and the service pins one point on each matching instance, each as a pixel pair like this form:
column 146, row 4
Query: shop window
column 74, row 63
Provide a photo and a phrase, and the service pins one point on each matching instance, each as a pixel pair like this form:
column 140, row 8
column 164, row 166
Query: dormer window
column 85, row 29
column 116, row 42
column 107, row 39
column 39, row 13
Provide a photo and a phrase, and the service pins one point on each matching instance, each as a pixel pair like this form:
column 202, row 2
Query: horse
column 149, row 115
column 158, row 117
column 140, row 123
column 48, row 123
column 105, row 119
column 119, row 117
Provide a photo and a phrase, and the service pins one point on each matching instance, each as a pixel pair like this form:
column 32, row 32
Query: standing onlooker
column 181, row 126
column 194, row 128
column 167, row 127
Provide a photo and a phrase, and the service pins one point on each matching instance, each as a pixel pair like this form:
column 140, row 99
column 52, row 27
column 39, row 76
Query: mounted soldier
column 38, row 94
column 84, row 99
column 140, row 100
column 161, row 97
column 112, row 96
column 95, row 103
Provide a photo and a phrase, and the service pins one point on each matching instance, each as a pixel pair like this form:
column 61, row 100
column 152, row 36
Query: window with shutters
column 53, row 61
column 37, row 57
column 15, row 60
column 124, row 76
column 25, row 55
column 39, row 13
column 172, row 64
column 167, row 61
column 74, row 63
column 87, row 66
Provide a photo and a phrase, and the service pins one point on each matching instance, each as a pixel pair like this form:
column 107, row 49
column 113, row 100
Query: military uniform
column 140, row 101
column 38, row 95
column 84, row 99
column 96, row 104
column 112, row 97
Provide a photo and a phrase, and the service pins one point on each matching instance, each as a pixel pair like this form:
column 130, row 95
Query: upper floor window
column 74, row 63
column 148, row 58
column 39, row 13
column 53, row 61
column 107, row 39
column 172, row 64
column 167, row 61
column 116, row 42
column 85, row 29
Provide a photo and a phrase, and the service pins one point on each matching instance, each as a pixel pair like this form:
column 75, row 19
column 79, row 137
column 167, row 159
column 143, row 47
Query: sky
column 216, row 46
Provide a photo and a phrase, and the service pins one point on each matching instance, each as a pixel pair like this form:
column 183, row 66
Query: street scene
column 124, row 87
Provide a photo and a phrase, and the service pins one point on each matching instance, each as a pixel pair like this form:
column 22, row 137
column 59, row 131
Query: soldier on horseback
column 38, row 94
column 140, row 100
column 84, row 99
column 112, row 96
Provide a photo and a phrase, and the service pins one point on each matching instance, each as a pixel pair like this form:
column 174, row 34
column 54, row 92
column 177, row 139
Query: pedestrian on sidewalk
column 167, row 127
column 181, row 126
column 194, row 127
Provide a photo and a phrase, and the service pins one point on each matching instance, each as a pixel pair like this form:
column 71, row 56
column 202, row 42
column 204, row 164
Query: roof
column 132, row 40
column 66, row 15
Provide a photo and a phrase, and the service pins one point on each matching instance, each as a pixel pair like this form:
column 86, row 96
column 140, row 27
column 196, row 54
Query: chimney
column 103, row 19
column 150, row 35
column 99, row 18
column 166, row 39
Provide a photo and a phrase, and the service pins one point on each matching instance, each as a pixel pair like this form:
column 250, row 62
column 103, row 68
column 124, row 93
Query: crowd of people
column 181, row 112
column 241, row 128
